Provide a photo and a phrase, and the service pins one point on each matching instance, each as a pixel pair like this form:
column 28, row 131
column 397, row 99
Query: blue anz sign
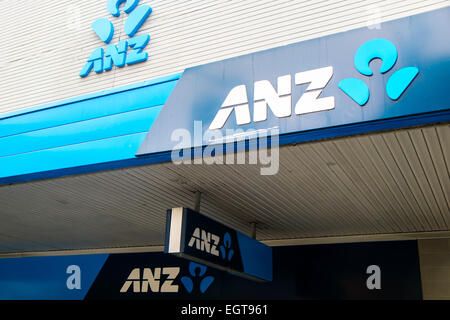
column 126, row 52
column 196, row 237
column 371, row 270
column 349, row 83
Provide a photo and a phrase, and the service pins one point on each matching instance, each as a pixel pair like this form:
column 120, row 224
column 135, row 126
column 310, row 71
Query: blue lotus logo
column 197, row 278
column 397, row 83
column 225, row 250
column 103, row 59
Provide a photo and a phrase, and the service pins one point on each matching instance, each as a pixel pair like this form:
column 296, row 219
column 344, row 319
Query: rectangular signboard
column 196, row 237
column 314, row 89
column 372, row 270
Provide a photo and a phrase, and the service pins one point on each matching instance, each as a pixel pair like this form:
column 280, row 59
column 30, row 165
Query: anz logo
column 205, row 241
column 152, row 279
column 209, row 243
column 119, row 55
column 197, row 278
column 397, row 83
column 164, row 279
column 280, row 100
column 226, row 251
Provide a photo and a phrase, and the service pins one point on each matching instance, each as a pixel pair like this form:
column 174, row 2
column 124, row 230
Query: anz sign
column 206, row 242
column 354, row 82
column 196, row 237
column 279, row 100
column 152, row 279
column 209, row 243
column 168, row 280
column 126, row 52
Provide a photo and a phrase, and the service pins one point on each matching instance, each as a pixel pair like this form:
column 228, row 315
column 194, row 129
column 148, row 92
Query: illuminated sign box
column 196, row 237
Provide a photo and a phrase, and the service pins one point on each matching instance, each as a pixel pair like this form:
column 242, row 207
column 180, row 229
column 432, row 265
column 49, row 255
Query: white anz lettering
column 152, row 278
column 205, row 241
column 279, row 101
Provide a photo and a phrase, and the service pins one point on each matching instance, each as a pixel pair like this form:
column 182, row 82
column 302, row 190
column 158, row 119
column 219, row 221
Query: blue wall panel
column 81, row 134
column 88, row 153
column 91, row 108
column 45, row 278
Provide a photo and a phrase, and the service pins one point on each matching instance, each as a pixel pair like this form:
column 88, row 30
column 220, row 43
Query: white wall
column 45, row 43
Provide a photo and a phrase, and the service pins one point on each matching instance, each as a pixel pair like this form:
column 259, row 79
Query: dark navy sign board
column 335, row 271
column 206, row 241
column 420, row 40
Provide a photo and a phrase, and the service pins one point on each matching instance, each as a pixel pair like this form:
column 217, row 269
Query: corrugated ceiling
column 382, row 183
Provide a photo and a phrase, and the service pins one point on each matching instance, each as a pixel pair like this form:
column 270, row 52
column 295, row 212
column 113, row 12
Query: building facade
column 116, row 111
